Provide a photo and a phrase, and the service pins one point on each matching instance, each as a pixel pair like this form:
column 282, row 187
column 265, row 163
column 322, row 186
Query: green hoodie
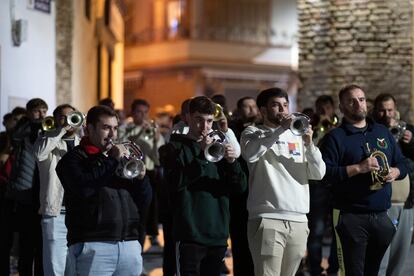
column 200, row 192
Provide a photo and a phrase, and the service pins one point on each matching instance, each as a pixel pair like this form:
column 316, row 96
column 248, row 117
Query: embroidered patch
column 294, row 148
column 381, row 143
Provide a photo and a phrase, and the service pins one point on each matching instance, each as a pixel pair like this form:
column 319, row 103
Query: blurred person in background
column 320, row 209
column 402, row 198
column 22, row 195
column 145, row 133
column 49, row 149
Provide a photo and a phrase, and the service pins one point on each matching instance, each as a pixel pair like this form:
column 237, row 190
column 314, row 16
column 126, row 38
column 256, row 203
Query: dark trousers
column 242, row 258
column 168, row 253
column 198, row 260
column 8, row 227
column 152, row 214
column 23, row 219
column 364, row 239
column 320, row 208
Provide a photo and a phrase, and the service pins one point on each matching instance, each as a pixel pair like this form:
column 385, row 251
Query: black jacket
column 24, row 176
column 100, row 206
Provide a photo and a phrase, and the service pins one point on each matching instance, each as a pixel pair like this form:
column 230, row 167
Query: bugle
column 378, row 176
column 300, row 124
column 130, row 166
column 215, row 151
column 75, row 119
column 48, row 123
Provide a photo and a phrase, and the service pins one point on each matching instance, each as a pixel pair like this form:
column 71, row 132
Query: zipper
column 124, row 218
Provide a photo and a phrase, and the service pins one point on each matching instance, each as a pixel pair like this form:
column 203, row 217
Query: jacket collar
column 350, row 129
column 89, row 148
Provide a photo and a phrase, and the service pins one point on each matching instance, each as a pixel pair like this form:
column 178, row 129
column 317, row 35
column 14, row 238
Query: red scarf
column 88, row 146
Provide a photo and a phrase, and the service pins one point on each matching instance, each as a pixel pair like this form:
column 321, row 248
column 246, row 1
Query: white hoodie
column 279, row 169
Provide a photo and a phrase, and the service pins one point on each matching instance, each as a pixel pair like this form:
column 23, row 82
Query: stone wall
column 64, row 35
column 355, row 41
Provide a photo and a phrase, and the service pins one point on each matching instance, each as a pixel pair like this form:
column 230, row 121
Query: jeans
column 320, row 207
column 54, row 244
column 122, row 258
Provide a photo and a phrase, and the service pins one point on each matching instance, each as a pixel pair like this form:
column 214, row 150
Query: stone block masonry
column 356, row 41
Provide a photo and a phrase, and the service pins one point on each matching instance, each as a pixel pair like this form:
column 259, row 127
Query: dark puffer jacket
column 100, row 206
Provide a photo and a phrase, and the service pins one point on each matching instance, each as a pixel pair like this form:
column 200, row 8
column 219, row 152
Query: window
column 88, row 9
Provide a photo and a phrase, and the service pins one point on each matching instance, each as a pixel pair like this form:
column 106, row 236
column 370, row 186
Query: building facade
column 177, row 49
column 61, row 51
column 364, row 42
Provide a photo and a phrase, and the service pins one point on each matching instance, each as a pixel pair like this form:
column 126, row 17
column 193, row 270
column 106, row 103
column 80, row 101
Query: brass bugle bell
column 48, row 123
column 327, row 124
column 379, row 176
column 218, row 113
column 75, row 119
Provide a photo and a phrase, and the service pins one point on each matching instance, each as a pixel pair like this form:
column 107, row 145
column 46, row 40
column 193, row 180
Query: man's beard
column 250, row 119
column 361, row 115
column 275, row 119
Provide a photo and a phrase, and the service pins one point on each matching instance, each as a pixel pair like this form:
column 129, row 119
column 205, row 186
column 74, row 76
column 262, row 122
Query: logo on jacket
column 381, row 143
column 294, row 148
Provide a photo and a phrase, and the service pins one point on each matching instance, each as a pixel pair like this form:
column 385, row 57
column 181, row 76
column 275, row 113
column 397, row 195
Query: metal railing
column 236, row 34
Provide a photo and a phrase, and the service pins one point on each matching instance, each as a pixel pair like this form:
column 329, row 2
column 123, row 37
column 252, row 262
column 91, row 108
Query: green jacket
column 199, row 192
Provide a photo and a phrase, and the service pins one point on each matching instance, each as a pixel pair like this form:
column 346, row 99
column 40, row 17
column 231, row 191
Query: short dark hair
column 220, row 99
column 58, row 110
column 185, row 106
column 7, row 116
column 382, row 98
column 346, row 89
column 36, row 103
column 108, row 102
column 18, row 110
column 137, row 102
column 96, row 112
column 321, row 101
column 269, row 93
column 203, row 105
column 240, row 102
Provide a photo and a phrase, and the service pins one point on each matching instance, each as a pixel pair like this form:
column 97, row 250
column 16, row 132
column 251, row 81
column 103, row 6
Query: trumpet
column 48, row 123
column 215, row 151
column 75, row 119
column 149, row 132
column 327, row 124
column 132, row 165
column 218, row 113
column 300, row 124
column 398, row 130
column 379, row 176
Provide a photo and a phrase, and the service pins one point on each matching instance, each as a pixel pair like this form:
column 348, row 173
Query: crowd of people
column 83, row 192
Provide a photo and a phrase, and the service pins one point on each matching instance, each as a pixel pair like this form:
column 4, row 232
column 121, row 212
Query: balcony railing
column 244, row 35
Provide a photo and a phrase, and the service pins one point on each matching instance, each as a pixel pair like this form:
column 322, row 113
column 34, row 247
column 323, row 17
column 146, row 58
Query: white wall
column 285, row 26
column 284, row 21
column 27, row 71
